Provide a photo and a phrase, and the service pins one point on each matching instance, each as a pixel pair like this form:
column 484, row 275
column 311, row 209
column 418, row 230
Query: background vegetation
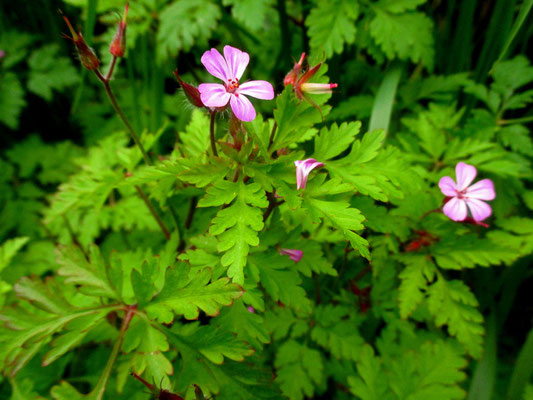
column 391, row 300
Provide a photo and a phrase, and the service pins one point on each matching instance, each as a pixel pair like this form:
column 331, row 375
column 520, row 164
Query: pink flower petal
column 465, row 174
column 242, row 108
column 294, row 254
column 213, row 94
column 303, row 168
column 455, row 209
column 215, row 64
column 479, row 209
column 258, row 89
column 237, row 61
column 447, row 186
column 482, row 190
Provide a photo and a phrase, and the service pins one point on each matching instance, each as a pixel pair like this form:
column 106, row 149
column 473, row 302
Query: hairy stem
column 153, row 211
column 120, row 113
column 99, row 390
column 212, row 133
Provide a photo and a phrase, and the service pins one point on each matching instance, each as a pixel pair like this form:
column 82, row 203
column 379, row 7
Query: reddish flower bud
column 192, row 93
column 87, row 56
column 292, row 77
column 118, row 45
column 2, row 54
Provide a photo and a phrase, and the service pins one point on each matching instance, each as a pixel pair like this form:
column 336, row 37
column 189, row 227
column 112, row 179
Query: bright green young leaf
column 419, row 271
column 11, row 100
column 186, row 294
column 237, row 225
column 370, row 384
column 333, row 141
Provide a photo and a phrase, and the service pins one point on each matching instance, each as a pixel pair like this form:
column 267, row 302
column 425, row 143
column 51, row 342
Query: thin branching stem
column 212, row 133
column 153, row 212
column 99, row 390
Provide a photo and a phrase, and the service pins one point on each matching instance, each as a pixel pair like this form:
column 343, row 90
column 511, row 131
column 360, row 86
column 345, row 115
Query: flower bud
column 292, row 77
column 118, row 45
column 87, row 56
column 192, row 93
column 317, row 88
column 2, row 54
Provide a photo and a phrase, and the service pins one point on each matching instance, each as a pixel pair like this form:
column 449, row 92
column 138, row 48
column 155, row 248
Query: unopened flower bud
column 317, row 88
column 87, row 56
column 192, row 93
column 292, row 77
column 2, row 54
column 118, row 45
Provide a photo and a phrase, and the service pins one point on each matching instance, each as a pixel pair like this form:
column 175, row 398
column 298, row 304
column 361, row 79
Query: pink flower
column 303, row 168
column 463, row 194
column 230, row 69
column 251, row 309
column 294, row 255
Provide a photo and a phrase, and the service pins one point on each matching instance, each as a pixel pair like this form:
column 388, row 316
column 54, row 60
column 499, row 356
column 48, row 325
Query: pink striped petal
column 242, row 107
column 216, row 65
column 237, row 61
column 213, row 94
column 303, row 168
column 294, row 254
column 479, row 209
column 258, row 89
column 447, row 186
column 482, row 190
column 465, row 174
column 455, row 209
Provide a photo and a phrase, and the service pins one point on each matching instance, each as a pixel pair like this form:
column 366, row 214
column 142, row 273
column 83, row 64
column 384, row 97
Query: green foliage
column 184, row 23
column 331, row 24
column 49, row 72
column 214, row 276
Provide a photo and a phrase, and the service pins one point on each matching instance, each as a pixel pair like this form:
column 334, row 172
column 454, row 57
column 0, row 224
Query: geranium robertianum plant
column 273, row 248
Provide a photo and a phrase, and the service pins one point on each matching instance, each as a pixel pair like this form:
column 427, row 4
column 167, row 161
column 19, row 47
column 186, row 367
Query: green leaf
column 247, row 325
column 333, row 141
column 250, row 13
column 452, row 303
column 11, row 100
column 237, row 225
column 347, row 220
column 419, row 271
column 336, row 332
column 332, row 24
column 399, row 6
column 195, row 139
column 90, row 274
column 469, row 251
column 49, row 72
column 299, row 368
column 280, row 280
column 294, row 118
column 186, row 294
column 9, row 249
column 404, row 36
column 370, row 384
column 183, row 24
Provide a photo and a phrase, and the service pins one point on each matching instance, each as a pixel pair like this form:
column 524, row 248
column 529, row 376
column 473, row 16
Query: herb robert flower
column 462, row 194
column 303, row 168
column 230, row 69
column 294, row 254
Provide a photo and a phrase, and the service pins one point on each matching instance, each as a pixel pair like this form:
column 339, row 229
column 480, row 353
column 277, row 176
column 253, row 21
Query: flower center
column 232, row 85
column 461, row 193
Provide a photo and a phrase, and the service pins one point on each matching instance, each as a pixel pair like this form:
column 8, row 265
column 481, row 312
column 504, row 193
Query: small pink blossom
column 303, row 168
column 230, row 69
column 251, row 309
column 462, row 194
column 294, row 255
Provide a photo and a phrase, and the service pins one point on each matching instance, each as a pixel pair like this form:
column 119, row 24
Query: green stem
column 153, row 212
column 212, row 133
column 516, row 120
column 99, row 390
column 122, row 116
